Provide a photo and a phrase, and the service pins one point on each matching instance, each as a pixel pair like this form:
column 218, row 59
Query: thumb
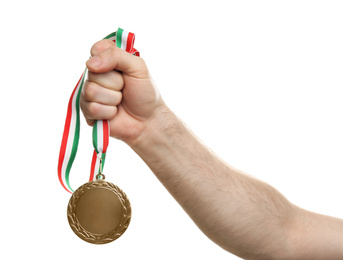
column 114, row 58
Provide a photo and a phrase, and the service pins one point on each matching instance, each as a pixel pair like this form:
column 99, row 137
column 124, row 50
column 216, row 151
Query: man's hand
column 120, row 90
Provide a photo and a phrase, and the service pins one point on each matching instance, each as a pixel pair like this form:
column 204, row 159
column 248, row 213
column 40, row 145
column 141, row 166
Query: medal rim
column 90, row 237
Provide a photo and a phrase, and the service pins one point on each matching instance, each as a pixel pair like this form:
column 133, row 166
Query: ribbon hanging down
column 101, row 130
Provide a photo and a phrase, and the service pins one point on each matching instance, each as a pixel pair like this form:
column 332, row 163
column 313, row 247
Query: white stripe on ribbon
column 71, row 134
column 124, row 36
column 100, row 135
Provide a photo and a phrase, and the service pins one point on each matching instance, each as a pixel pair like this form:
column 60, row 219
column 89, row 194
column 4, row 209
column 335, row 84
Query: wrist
column 158, row 131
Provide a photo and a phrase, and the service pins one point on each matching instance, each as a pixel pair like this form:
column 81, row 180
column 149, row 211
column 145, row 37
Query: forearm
column 241, row 214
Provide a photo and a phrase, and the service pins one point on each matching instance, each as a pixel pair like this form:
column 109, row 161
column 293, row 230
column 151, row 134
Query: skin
column 243, row 215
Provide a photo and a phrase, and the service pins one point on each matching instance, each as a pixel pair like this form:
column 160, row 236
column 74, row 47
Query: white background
column 260, row 82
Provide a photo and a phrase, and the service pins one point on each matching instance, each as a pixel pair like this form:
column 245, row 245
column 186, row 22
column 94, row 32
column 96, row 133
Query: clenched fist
column 120, row 90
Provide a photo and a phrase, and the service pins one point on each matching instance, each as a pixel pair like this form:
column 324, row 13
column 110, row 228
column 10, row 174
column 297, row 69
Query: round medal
column 99, row 212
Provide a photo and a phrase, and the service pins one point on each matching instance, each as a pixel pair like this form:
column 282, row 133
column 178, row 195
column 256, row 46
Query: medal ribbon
column 101, row 129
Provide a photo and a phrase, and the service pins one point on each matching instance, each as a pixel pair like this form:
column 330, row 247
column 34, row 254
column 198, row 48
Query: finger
column 92, row 92
column 111, row 80
column 90, row 122
column 96, row 111
column 100, row 46
column 114, row 58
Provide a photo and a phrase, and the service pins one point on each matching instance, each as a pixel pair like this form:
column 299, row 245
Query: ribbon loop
column 101, row 129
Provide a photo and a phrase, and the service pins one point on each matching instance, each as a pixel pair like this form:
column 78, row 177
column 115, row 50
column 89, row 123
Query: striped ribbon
column 101, row 130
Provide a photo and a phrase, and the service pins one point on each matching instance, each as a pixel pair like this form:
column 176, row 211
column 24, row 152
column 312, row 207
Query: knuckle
column 83, row 106
column 114, row 112
column 94, row 109
column 100, row 46
column 96, row 48
column 90, row 91
column 114, row 50
column 118, row 97
column 115, row 80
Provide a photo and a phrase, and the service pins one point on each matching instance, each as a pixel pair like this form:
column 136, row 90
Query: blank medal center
column 99, row 211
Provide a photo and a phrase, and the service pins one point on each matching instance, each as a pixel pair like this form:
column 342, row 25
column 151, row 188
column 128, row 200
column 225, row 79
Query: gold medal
column 99, row 212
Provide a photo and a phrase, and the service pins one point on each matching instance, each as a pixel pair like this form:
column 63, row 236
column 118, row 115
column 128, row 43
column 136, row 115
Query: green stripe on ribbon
column 77, row 134
column 118, row 37
column 95, row 136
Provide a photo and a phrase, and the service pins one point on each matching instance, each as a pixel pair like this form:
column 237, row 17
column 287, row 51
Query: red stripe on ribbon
column 65, row 136
column 105, row 135
column 129, row 42
column 95, row 157
column 135, row 52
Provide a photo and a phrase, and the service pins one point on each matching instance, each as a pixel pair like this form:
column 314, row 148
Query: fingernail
column 94, row 62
